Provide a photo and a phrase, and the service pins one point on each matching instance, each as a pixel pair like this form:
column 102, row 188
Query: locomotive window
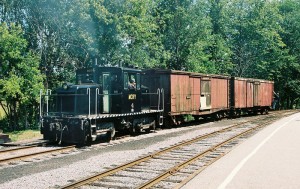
column 132, row 81
column 138, row 81
column 126, row 80
column 114, row 83
column 84, row 78
column 106, row 82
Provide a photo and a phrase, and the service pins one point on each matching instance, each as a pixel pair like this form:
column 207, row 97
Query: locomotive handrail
column 158, row 92
column 163, row 98
column 150, row 93
column 88, row 91
column 96, row 100
column 41, row 94
column 48, row 92
column 111, row 94
column 66, row 95
column 100, row 94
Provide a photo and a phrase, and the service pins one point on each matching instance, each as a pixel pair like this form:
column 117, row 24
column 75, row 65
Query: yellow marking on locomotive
column 131, row 96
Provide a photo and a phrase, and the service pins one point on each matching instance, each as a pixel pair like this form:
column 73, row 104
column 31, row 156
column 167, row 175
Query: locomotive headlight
column 65, row 86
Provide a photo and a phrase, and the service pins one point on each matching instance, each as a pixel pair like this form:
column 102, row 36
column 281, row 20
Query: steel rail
column 182, row 183
column 180, row 166
column 16, row 149
column 37, row 153
column 101, row 175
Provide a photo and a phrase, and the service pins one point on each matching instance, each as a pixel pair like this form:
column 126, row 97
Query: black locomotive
column 103, row 100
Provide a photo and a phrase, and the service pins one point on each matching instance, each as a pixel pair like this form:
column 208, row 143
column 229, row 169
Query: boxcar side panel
column 249, row 94
column 196, row 95
column 181, row 89
column 266, row 93
column 240, row 93
column 219, row 93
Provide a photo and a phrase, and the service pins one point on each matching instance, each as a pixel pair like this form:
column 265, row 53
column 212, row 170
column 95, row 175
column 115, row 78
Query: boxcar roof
column 179, row 72
column 254, row 80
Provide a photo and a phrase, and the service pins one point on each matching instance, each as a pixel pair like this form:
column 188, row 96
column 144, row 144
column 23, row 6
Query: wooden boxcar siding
column 249, row 94
column 244, row 93
column 245, row 96
column 240, row 93
column 196, row 95
column 219, row 93
column 181, row 93
column 266, row 93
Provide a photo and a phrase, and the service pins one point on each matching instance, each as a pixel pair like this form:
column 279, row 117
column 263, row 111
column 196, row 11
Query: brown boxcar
column 187, row 93
column 264, row 96
column 251, row 95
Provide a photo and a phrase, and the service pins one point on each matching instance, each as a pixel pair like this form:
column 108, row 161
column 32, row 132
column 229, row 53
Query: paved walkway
column 269, row 159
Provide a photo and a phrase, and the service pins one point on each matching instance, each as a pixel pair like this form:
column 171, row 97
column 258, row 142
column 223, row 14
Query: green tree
column 20, row 78
column 253, row 32
column 137, row 30
column 211, row 53
column 175, row 30
column 288, row 78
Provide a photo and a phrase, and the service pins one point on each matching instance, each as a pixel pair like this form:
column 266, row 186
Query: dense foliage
column 42, row 43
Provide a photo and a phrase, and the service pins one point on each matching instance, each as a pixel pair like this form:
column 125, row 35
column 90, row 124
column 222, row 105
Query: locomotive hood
column 72, row 88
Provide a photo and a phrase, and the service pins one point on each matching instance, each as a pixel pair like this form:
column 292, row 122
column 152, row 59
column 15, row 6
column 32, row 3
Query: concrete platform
column 269, row 159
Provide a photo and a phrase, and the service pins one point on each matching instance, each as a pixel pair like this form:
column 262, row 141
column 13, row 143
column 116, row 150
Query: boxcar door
column 205, row 98
column 255, row 94
column 105, row 92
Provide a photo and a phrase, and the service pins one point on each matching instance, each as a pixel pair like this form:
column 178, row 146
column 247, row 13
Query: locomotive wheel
column 132, row 130
column 111, row 134
column 153, row 127
column 88, row 140
column 168, row 123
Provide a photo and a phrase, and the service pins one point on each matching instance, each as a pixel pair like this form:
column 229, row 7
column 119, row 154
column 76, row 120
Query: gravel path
column 58, row 171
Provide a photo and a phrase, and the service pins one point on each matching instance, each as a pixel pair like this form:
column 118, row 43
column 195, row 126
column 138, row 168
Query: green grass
column 24, row 135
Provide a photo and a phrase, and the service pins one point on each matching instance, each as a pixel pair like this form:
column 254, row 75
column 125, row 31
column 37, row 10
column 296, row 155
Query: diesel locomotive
column 109, row 99
column 103, row 100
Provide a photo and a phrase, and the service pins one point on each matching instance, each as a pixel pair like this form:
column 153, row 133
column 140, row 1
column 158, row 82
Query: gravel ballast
column 60, row 170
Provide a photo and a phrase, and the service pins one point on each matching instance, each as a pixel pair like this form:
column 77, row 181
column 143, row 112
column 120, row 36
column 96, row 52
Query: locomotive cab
column 120, row 89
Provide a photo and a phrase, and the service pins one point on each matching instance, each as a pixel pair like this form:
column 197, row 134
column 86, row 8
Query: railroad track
column 174, row 166
column 33, row 154
column 16, row 149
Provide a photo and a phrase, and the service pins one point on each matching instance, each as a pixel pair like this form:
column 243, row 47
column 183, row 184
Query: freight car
column 206, row 95
column 106, row 99
column 188, row 93
column 250, row 95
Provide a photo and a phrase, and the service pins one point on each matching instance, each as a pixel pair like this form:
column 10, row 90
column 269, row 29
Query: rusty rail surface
column 16, row 149
column 26, row 156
